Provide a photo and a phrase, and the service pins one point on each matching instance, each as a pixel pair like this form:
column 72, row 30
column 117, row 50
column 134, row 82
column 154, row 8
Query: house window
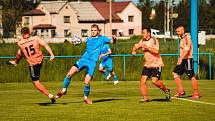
column 66, row 32
column 131, row 31
column 114, row 32
column 84, row 33
column 53, row 33
column 66, row 19
column 44, row 32
column 26, row 21
column 130, row 18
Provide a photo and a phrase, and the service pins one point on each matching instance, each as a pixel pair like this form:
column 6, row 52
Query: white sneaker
column 52, row 98
column 116, row 82
column 12, row 63
column 108, row 77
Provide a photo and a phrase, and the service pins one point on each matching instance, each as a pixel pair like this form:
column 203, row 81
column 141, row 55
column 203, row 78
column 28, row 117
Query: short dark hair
column 95, row 26
column 148, row 29
column 25, row 30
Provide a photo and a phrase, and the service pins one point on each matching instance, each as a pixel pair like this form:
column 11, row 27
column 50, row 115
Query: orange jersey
column 31, row 49
column 186, row 45
column 152, row 59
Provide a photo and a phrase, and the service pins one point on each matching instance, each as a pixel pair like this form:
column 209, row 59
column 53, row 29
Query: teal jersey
column 104, row 50
column 94, row 46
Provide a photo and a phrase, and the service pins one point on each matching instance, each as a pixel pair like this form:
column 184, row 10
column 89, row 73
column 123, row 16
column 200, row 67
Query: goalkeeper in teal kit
column 88, row 61
column 107, row 63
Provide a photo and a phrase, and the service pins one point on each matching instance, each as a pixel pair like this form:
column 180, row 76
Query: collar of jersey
column 96, row 36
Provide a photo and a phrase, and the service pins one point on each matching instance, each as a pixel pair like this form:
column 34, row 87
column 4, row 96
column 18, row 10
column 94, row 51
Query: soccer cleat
column 52, row 98
column 108, row 77
column 179, row 94
column 61, row 93
column 196, row 96
column 144, row 100
column 88, row 101
column 168, row 95
column 13, row 63
column 116, row 82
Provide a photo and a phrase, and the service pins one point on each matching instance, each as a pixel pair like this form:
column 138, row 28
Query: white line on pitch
column 194, row 101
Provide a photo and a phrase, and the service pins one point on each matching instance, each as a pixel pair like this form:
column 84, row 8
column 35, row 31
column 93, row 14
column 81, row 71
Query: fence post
column 124, row 63
column 209, row 59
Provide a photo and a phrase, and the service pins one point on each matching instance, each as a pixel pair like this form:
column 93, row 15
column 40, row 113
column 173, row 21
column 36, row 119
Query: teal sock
column 105, row 73
column 115, row 78
column 66, row 82
column 86, row 90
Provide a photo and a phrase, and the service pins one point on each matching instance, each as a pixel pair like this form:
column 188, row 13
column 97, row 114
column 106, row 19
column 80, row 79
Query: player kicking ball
column 107, row 62
column 87, row 61
column 153, row 64
column 30, row 47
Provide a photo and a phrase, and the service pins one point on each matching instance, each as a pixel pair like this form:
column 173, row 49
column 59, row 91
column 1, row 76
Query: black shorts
column 35, row 71
column 154, row 72
column 186, row 66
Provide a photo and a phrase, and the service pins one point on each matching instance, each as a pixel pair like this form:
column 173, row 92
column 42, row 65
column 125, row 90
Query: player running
column 87, row 61
column 185, row 64
column 107, row 63
column 31, row 49
column 153, row 64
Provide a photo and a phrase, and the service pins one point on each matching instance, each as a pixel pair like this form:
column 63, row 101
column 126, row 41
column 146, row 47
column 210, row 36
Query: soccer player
column 153, row 64
column 19, row 53
column 185, row 63
column 87, row 61
column 31, row 48
column 107, row 63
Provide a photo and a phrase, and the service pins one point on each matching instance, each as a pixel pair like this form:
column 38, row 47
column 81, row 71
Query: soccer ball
column 76, row 40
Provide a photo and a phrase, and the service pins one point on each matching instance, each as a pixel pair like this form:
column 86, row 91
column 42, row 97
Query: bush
column 57, row 70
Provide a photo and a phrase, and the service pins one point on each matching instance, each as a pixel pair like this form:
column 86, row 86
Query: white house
column 56, row 18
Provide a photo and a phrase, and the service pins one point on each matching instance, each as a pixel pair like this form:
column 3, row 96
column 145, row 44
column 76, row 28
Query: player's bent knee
column 191, row 76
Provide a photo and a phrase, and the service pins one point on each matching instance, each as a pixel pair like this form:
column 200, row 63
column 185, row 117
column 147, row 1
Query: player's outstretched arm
column 108, row 53
column 134, row 50
column 43, row 43
column 136, row 46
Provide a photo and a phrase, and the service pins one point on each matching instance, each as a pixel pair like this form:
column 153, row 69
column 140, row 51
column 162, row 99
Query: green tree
column 145, row 7
column 183, row 10
column 12, row 13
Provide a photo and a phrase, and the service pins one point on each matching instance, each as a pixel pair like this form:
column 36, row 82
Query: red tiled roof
column 103, row 8
column 34, row 12
column 44, row 26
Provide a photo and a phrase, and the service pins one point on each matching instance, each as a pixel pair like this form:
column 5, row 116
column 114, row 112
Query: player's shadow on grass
column 50, row 104
column 187, row 96
column 159, row 100
column 105, row 100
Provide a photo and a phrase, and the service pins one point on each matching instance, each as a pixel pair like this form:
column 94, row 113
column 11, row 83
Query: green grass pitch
column 22, row 102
